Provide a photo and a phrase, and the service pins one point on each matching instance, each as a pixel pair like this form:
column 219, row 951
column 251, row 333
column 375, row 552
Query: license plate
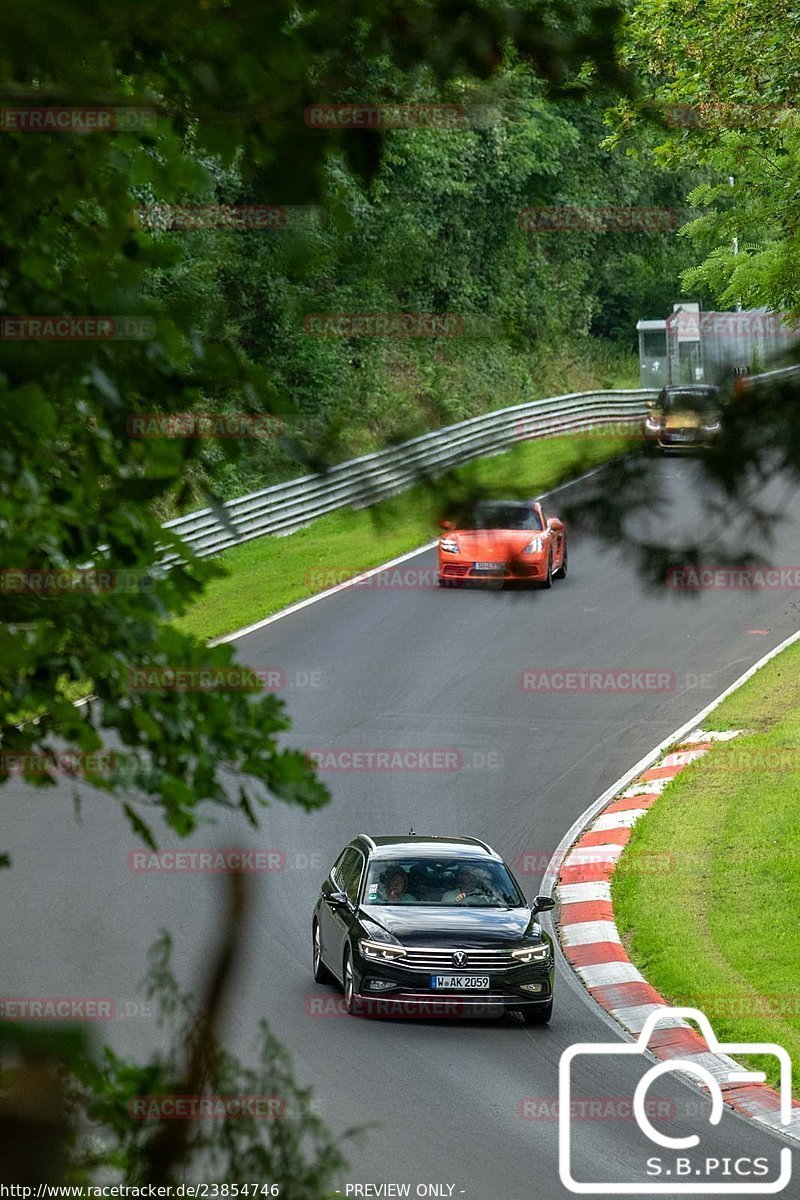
column 478, row 566
column 682, row 437
column 461, row 983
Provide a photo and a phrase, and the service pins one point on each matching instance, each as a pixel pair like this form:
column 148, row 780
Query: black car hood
column 438, row 925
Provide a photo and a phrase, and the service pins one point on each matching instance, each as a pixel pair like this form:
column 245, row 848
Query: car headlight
column 531, row 954
column 652, row 424
column 449, row 545
column 384, row 951
column 534, row 546
column 711, row 427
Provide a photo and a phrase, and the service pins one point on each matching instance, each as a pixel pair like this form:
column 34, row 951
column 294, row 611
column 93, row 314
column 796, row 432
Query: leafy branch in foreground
column 108, row 1118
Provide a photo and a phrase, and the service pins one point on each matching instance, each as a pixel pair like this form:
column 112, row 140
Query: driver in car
column 471, row 884
column 394, row 888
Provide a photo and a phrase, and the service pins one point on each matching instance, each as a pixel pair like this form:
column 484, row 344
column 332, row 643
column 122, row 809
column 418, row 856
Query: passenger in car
column 394, row 887
column 419, row 885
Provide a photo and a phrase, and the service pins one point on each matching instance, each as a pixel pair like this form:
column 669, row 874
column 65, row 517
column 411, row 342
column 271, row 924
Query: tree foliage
column 415, row 219
column 720, row 85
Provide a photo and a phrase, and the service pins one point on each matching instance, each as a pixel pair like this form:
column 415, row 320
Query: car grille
column 455, row 569
column 430, row 958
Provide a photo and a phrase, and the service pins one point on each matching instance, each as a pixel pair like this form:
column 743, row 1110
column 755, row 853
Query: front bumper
column 411, row 994
column 531, row 569
column 689, row 441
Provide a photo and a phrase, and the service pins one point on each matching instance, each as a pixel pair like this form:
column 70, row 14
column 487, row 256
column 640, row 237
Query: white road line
column 332, row 591
column 348, row 583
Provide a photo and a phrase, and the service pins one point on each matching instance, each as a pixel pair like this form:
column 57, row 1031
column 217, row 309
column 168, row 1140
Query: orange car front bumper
column 532, row 569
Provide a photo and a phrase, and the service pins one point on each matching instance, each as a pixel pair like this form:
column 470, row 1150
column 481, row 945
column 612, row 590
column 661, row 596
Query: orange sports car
column 503, row 540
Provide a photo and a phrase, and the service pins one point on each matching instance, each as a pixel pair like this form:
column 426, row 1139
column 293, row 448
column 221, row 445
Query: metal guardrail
column 360, row 482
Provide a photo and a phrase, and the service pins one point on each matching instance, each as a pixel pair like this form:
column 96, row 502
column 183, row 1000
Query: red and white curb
column 592, row 945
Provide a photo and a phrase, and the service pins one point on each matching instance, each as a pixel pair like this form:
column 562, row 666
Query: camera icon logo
column 700, row 1073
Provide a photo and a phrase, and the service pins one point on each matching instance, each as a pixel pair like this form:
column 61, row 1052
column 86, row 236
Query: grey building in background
column 691, row 346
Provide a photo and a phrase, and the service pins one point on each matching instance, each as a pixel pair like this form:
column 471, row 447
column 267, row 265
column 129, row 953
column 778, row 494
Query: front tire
column 561, row 573
column 349, row 984
column 547, row 582
column 321, row 972
column 537, row 1016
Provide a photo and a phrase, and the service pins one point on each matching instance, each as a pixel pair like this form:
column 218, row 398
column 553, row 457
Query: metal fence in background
column 288, row 506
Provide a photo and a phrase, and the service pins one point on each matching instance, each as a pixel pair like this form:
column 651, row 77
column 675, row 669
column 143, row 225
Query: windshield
column 445, row 882
column 690, row 401
column 502, row 515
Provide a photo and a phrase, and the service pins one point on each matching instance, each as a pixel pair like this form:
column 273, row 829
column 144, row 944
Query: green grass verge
column 267, row 574
column 718, row 928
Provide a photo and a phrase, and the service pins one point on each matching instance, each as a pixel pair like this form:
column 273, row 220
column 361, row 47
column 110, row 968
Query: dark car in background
column 402, row 922
column 684, row 417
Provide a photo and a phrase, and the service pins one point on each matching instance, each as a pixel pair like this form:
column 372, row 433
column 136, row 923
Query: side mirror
column 543, row 904
column 337, row 900
column 650, row 404
column 556, row 524
column 445, row 524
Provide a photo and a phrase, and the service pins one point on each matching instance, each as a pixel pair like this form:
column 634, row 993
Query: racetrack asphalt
column 416, row 667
